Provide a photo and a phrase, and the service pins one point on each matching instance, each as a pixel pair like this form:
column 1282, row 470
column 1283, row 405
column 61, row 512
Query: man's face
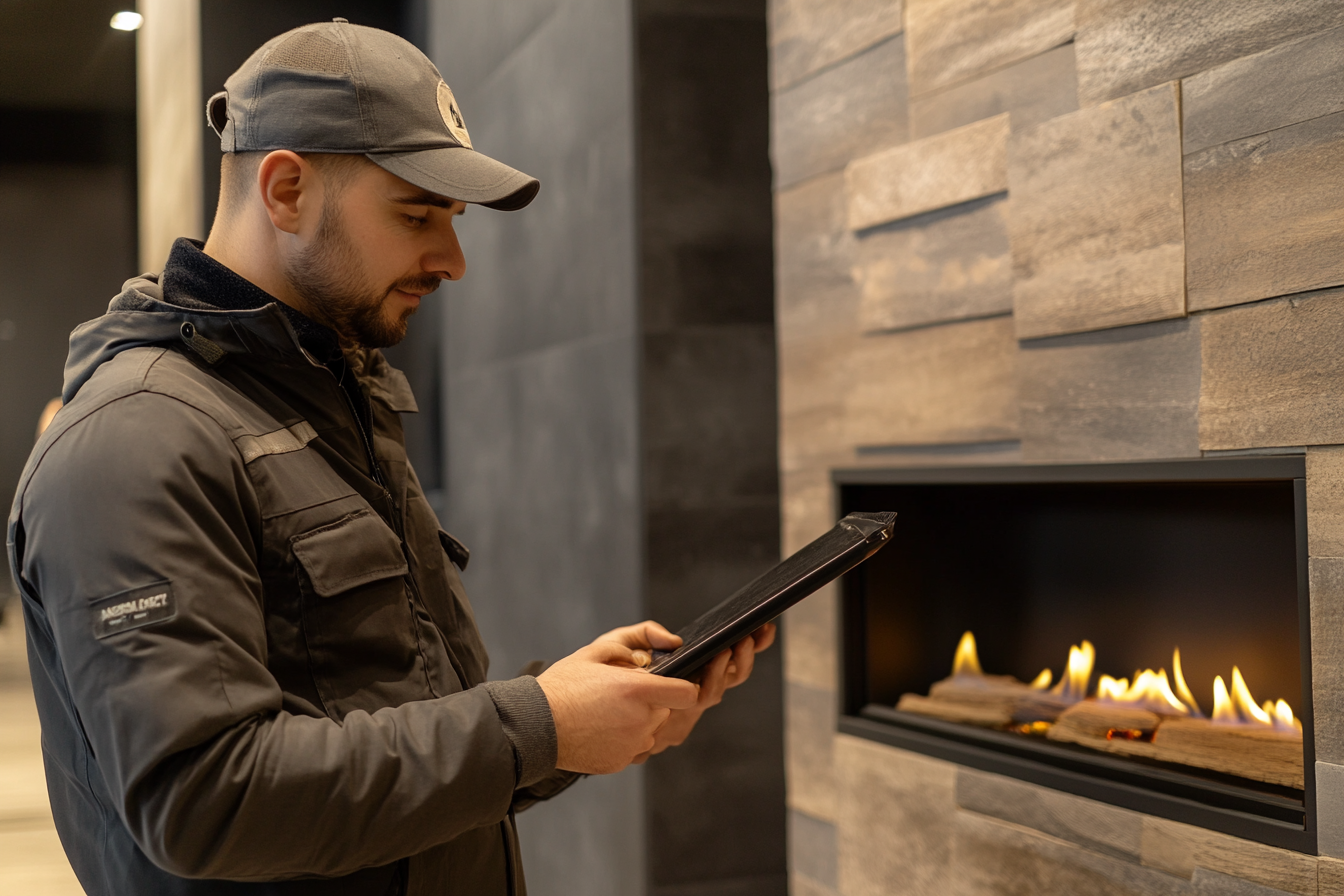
column 379, row 246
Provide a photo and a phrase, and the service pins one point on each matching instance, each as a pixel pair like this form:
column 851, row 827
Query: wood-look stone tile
column 1264, row 215
column 1327, row 658
column 1293, row 82
column 815, row 293
column 1095, row 221
column 993, row 858
column 809, row 736
column 1272, row 374
column 1124, row 393
column 1180, row 849
column 1215, row 883
column 1096, row 826
column 895, row 815
column 1325, row 501
column 1331, row 872
column 843, row 113
column 812, row 386
column 1033, row 90
column 802, row 885
column 919, row 388
column 807, row 503
column 807, row 35
column 957, row 166
column 947, row 265
column 1128, row 45
column 952, row 41
column 1330, row 810
column 812, row 848
column 811, row 634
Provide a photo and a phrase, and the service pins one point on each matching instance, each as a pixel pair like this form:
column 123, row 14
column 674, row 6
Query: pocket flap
column 456, row 550
column 348, row 553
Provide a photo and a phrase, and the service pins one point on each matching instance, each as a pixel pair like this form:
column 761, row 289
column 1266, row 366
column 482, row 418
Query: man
column 255, row 665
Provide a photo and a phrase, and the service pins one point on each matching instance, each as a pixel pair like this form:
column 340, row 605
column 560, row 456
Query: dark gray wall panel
column 67, row 242
column 540, row 350
column 708, row 424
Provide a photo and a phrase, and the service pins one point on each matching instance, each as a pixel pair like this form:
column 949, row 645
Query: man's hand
column 607, row 710
column 727, row 670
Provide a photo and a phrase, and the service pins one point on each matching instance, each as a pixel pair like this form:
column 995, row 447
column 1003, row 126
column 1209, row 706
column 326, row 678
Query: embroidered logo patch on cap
column 135, row 608
column 452, row 116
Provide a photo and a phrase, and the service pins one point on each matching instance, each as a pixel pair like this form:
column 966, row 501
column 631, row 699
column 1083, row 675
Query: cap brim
column 464, row 174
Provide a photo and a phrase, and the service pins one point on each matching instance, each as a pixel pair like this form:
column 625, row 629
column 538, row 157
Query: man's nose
column 448, row 262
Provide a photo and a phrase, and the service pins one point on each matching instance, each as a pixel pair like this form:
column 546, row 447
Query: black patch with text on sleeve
column 134, row 608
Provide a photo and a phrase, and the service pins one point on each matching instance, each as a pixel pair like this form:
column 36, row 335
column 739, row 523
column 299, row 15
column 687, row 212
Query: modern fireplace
column 1120, row 565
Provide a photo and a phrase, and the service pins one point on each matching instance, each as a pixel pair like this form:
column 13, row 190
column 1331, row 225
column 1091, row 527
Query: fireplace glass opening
column 1130, row 632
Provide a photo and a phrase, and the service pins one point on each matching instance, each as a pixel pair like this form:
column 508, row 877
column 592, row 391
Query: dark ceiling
column 62, row 54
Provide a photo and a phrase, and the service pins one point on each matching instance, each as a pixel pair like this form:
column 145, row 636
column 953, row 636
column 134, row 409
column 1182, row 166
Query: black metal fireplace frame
column 1277, row 819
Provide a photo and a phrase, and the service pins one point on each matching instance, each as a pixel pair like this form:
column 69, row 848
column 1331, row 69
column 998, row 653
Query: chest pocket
column 348, row 553
column 361, row 630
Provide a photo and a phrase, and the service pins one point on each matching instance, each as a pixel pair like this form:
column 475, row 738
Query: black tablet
column 853, row 540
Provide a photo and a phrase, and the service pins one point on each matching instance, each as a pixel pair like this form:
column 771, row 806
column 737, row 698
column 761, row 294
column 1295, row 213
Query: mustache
column 425, row 283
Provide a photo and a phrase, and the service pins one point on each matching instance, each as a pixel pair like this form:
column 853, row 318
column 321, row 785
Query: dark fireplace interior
column 1207, row 556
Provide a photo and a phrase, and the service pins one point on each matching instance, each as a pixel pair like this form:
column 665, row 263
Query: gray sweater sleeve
column 210, row 773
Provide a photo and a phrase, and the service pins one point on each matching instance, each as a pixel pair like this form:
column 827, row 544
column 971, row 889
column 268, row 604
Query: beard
column 331, row 278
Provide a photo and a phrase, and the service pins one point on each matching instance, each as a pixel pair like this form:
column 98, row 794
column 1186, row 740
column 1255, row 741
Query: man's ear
column 290, row 190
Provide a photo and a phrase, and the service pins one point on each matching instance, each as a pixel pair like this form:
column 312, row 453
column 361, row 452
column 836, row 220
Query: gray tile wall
column 609, row 401
column 708, row 431
column 540, row 368
column 49, row 290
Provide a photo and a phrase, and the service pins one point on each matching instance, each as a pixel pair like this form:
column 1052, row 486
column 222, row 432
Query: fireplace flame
column 1283, row 716
column 966, row 661
column 1112, row 689
column 1182, row 689
column 1240, row 708
column 1151, row 691
column 1074, row 682
column 1245, row 704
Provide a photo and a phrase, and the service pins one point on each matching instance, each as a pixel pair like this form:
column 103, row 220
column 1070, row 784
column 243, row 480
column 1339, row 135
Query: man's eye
column 416, row 222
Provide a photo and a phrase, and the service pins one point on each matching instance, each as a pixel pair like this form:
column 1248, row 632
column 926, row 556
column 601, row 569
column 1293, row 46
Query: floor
column 31, row 859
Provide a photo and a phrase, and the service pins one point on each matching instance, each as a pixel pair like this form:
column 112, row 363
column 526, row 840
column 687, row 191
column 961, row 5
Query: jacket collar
column 192, row 279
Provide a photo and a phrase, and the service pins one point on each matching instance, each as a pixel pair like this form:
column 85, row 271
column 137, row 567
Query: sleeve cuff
column 526, row 716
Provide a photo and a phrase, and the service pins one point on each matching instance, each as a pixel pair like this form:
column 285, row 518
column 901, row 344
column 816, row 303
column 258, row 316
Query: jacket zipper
column 412, row 586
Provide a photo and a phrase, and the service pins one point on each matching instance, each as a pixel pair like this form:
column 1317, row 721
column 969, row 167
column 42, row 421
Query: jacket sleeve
column 552, row 785
column 213, row 779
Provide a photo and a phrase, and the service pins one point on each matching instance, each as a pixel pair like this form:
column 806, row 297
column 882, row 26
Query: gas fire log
column 1094, row 724
column 987, row 714
column 986, row 700
column 1039, row 706
column 1260, row 754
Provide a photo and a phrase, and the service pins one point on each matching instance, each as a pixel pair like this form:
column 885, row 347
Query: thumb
column 609, row 652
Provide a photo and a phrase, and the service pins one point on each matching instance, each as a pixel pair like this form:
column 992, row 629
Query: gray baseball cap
column 334, row 87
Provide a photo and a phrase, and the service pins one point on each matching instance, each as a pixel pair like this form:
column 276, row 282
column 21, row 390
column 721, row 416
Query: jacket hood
column 139, row 316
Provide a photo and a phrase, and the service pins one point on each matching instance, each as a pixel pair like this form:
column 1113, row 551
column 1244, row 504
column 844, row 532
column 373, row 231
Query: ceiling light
column 127, row 21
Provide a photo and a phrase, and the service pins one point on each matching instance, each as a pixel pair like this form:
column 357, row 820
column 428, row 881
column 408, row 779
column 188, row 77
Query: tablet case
column 853, row 540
